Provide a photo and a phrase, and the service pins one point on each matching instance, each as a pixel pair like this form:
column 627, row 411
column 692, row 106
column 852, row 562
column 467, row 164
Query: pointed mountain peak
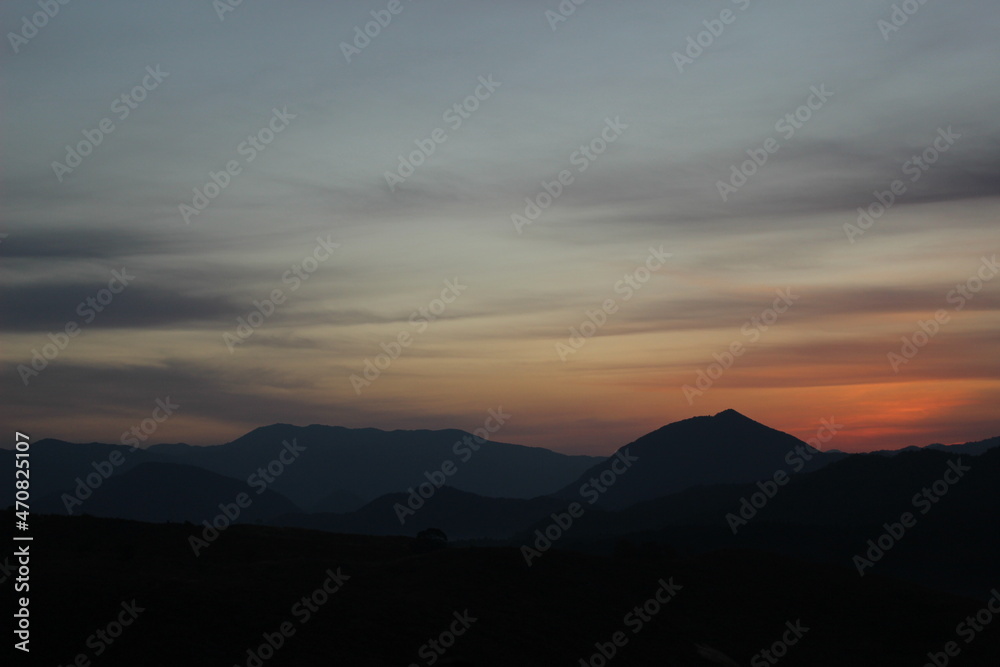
column 731, row 414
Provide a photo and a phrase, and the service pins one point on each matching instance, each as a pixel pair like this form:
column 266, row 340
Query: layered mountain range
column 698, row 484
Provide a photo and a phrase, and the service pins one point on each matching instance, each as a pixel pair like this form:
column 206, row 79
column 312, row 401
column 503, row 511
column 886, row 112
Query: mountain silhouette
column 338, row 502
column 971, row 448
column 368, row 463
column 722, row 449
column 698, row 500
column 325, row 468
column 459, row 514
column 829, row 515
column 56, row 465
column 163, row 492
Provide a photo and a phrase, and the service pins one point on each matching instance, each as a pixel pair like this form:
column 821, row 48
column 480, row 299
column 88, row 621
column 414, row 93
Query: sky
column 598, row 218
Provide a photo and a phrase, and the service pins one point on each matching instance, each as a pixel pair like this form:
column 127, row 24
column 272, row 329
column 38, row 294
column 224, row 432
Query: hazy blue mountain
column 55, row 465
column 368, row 463
column 161, row 492
column 459, row 514
column 338, row 502
column 351, row 478
column 323, row 467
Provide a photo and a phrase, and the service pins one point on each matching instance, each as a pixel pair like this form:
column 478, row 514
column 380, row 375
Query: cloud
column 655, row 185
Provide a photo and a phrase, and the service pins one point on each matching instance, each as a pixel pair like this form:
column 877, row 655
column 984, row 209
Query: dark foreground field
column 723, row 608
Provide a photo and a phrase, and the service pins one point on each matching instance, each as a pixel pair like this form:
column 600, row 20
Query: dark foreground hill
column 829, row 516
column 396, row 607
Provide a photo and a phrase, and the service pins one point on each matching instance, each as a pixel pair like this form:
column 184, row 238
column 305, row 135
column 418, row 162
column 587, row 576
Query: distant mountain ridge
column 350, row 480
column 461, row 515
column 971, row 448
column 149, row 492
column 333, row 468
column 368, row 463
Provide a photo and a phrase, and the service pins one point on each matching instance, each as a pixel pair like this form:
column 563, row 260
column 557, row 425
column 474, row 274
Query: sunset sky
column 641, row 138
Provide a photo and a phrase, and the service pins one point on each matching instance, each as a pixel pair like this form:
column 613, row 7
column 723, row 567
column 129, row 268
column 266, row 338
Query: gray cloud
column 325, row 174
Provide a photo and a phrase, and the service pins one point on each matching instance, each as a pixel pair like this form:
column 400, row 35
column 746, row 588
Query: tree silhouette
column 429, row 539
